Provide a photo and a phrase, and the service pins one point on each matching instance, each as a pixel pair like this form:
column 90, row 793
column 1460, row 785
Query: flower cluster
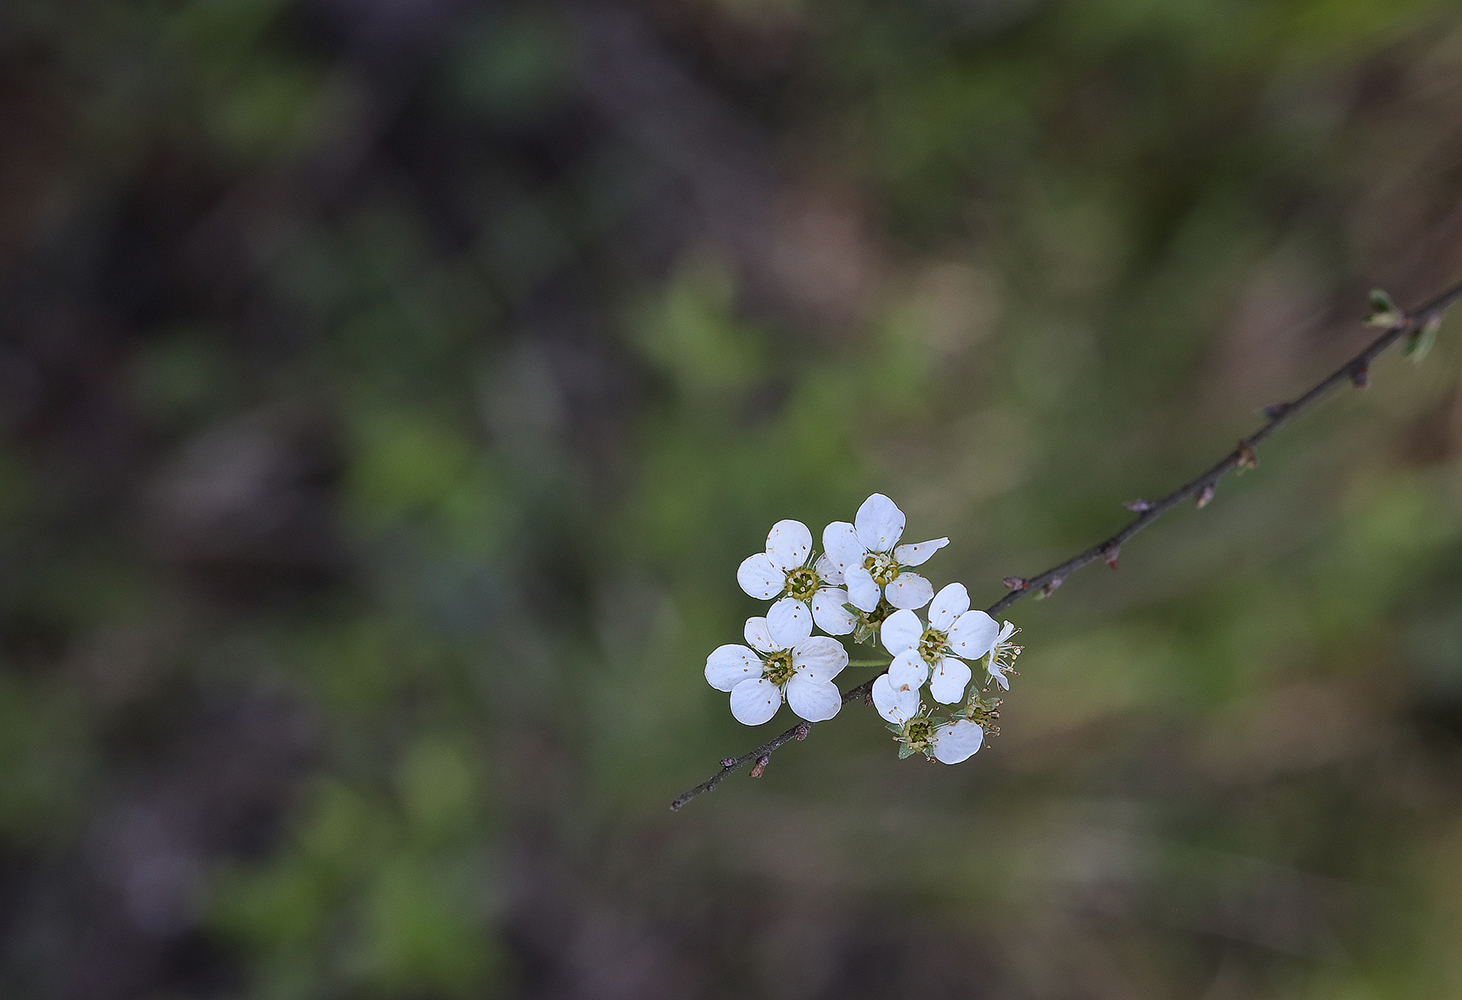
column 863, row 584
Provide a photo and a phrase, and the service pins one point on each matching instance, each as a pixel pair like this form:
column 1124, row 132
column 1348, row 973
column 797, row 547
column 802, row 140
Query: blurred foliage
column 390, row 390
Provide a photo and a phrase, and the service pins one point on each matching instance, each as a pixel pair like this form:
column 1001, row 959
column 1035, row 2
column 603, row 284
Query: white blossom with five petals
column 871, row 560
column 786, row 662
column 950, row 743
column 937, row 652
column 783, row 569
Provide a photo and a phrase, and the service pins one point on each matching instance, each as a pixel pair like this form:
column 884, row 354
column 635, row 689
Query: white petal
column 958, row 741
column 908, row 671
column 918, row 553
column 1006, row 631
column 1003, row 681
column 973, row 635
column 813, row 700
column 901, row 630
column 909, row 590
column 829, row 570
column 862, row 591
column 789, row 621
column 729, row 665
column 759, row 578
column 755, row 702
column 828, row 611
column 948, row 681
column 949, row 604
column 879, row 523
column 893, row 704
column 789, row 543
column 820, row 658
column 757, row 635
column 840, row 542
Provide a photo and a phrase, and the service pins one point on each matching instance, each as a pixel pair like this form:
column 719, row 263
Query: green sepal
column 1383, row 310
column 906, row 751
column 894, row 727
column 1419, row 342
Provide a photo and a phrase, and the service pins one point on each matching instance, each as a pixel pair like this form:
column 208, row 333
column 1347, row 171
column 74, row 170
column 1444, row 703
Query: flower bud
column 1361, row 377
column 1138, row 506
column 1110, row 553
column 1016, row 582
column 1204, row 495
column 1247, row 459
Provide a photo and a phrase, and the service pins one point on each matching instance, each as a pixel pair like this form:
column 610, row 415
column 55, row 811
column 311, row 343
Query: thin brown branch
column 1355, row 371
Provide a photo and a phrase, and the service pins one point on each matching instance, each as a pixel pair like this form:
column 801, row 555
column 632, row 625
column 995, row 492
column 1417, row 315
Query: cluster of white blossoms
column 862, row 584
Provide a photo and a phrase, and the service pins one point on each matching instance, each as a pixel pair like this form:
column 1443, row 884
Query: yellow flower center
column 933, row 644
column 881, row 567
column 802, row 583
column 778, row 668
column 919, row 734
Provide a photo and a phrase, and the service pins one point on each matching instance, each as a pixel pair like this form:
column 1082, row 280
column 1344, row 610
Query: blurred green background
column 390, row 389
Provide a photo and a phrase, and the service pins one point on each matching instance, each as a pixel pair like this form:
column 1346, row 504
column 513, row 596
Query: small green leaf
column 1419, row 342
column 1383, row 310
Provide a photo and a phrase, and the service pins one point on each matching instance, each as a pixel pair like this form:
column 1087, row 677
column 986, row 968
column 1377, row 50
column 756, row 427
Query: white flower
column 872, row 561
column 957, row 741
column 784, row 569
column 786, row 663
column 954, row 634
column 1000, row 661
column 950, row 743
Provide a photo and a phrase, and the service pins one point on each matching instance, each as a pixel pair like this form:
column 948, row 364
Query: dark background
column 390, row 388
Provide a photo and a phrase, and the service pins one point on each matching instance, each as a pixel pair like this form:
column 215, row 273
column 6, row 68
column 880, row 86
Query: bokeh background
column 390, row 388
